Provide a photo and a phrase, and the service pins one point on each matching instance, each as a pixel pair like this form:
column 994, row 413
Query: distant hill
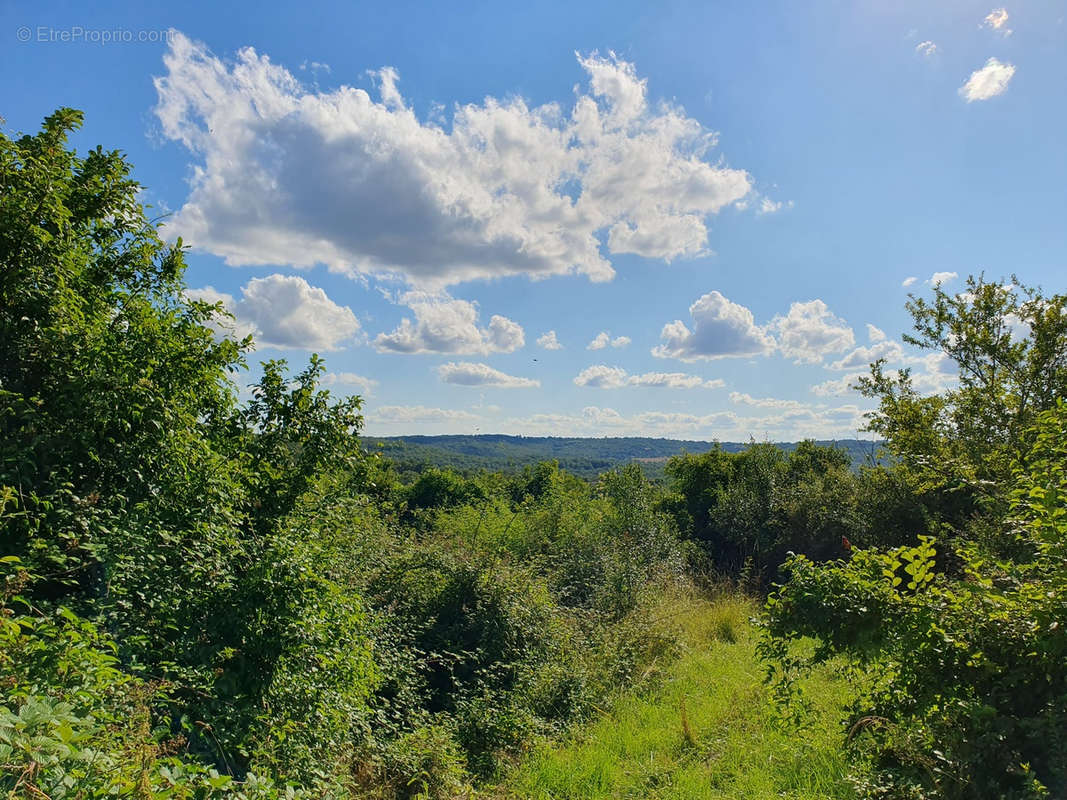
column 587, row 457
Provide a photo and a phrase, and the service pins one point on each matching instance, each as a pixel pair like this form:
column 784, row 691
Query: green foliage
column 1007, row 342
column 586, row 457
column 964, row 681
column 513, row 615
column 956, row 651
column 749, row 509
column 702, row 730
column 440, row 489
column 289, row 434
column 139, row 496
column 207, row 599
column 76, row 725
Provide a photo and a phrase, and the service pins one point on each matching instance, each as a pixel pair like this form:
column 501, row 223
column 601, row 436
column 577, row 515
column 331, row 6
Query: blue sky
column 729, row 197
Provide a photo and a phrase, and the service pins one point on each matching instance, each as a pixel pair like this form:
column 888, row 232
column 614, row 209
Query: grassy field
column 705, row 731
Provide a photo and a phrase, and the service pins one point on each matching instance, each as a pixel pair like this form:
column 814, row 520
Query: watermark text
column 78, row 34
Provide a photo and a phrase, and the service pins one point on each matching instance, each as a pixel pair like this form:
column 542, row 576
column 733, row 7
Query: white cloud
column 928, row 374
column 989, row 81
column 909, row 281
column 809, row 331
column 742, row 398
column 600, row 341
column 862, row 357
column 549, row 341
column 768, row 206
column 875, row 334
column 603, row 339
column 601, row 376
column 926, row 48
column 285, row 311
column 721, row 329
column 674, row 380
column 366, row 385
column 446, row 325
column 837, row 387
column 997, row 20
column 289, row 174
column 797, row 421
column 782, row 424
column 414, row 414
column 931, row 373
column 939, row 278
column 470, row 374
column 314, row 66
column 223, row 326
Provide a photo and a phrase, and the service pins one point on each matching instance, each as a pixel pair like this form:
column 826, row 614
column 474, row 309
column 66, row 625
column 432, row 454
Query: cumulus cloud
column 939, row 278
column 909, row 281
column 284, row 311
column 781, row 424
column 809, row 331
column 743, row 398
column 289, row 174
column 549, row 341
column 601, row 376
column 226, row 326
column 926, row 48
column 862, row 357
column 875, row 334
column 795, row 422
column 674, row 380
column 721, row 329
column 445, row 325
column 470, row 374
column 415, row 414
column 600, row 341
column 987, row 82
column 603, row 339
column 930, row 373
column 836, row 387
column 332, row 379
column 997, row 20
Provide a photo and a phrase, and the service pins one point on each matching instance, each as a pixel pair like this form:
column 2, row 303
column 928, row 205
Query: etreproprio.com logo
column 78, row 34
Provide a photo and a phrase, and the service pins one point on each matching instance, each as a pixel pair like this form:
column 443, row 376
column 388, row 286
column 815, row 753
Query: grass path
column 724, row 744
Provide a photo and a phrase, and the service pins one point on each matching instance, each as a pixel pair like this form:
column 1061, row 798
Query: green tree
column 138, row 493
column 111, row 387
column 1008, row 344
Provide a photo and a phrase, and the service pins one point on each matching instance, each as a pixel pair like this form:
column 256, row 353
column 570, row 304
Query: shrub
column 963, row 681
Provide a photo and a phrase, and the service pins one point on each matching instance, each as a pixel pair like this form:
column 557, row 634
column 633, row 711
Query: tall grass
column 705, row 731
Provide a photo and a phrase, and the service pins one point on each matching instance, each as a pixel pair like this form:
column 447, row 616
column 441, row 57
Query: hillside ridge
column 585, row 456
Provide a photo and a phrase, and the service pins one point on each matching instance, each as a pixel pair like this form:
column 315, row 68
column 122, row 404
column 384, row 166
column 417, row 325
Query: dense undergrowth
column 700, row 726
column 203, row 597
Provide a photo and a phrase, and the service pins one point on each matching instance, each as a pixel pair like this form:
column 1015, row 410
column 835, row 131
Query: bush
column 963, row 681
column 748, row 510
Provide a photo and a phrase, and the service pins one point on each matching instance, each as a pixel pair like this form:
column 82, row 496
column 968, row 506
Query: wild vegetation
column 204, row 597
column 956, row 640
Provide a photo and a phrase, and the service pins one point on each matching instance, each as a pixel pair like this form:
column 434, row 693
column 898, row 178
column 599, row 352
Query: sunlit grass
column 705, row 731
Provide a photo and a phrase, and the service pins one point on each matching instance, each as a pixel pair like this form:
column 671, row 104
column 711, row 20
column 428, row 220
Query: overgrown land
column 207, row 598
